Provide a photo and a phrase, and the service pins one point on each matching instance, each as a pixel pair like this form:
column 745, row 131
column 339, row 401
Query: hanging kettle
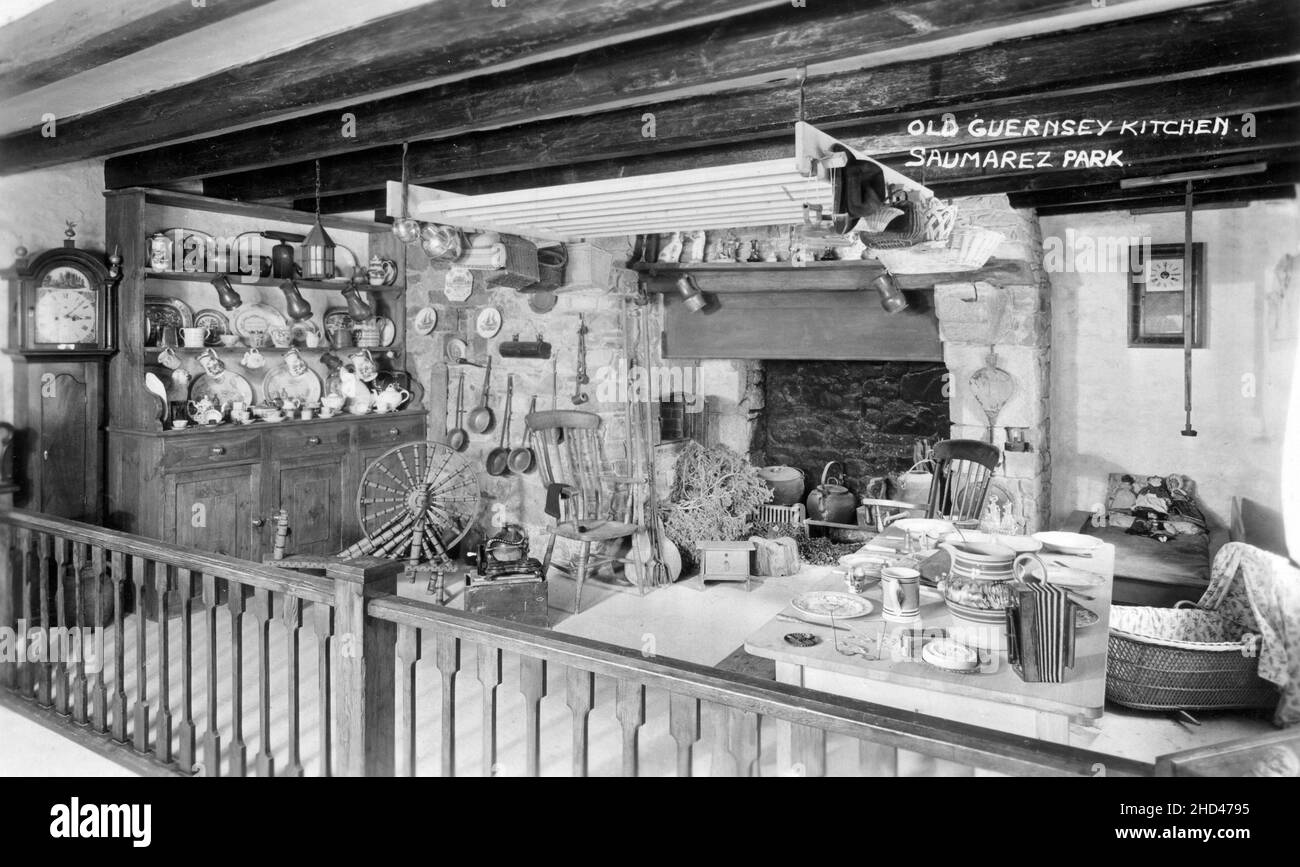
column 830, row 500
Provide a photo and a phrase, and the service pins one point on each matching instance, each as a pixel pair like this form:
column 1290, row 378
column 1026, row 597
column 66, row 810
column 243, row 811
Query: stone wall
column 866, row 414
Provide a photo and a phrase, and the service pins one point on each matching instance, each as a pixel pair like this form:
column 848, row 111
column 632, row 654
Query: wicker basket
column 910, row 231
column 1151, row 672
column 521, row 264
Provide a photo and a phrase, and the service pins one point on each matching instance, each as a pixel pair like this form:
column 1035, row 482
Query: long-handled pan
column 521, row 458
column 459, row 438
column 481, row 417
column 498, row 460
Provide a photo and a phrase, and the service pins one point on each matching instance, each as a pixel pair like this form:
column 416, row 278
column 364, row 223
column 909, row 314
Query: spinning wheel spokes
column 423, row 516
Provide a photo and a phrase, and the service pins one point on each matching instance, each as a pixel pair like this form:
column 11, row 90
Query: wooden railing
column 182, row 617
column 612, row 710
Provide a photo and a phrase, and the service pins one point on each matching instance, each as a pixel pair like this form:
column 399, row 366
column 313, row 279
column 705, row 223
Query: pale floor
column 678, row 621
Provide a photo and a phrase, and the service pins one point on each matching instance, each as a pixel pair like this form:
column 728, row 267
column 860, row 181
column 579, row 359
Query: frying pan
column 498, row 460
column 459, row 438
column 522, row 458
column 481, row 418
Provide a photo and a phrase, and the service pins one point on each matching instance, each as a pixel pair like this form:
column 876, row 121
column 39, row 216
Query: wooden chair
column 590, row 504
column 962, row 472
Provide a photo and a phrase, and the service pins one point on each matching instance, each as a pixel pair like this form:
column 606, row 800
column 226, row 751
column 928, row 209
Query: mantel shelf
column 396, row 348
column 270, row 282
column 830, row 276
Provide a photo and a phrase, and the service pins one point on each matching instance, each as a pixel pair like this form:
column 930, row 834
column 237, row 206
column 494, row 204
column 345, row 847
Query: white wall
column 1120, row 409
column 33, row 208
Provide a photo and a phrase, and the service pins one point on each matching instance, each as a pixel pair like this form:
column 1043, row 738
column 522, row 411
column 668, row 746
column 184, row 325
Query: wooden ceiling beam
column 1216, row 197
column 754, row 50
column 59, row 40
column 1111, row 193
column 400, row 52
column 767, row 116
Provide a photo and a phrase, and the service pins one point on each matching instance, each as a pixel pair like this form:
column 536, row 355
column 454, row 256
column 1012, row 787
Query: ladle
column 459, row 438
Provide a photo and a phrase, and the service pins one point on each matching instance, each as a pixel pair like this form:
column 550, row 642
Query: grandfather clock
column 63, row 337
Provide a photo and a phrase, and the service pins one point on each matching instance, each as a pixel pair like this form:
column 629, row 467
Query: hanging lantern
column 318, row 248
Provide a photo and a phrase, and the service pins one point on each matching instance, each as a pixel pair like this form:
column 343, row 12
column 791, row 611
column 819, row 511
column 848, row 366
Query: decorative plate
column 345, row 264
column 216, row 323
column 160, row 310
column 426, row 320
column 819, row 605
column 456, row 349
column 257, row 317
column 459, row 284
column 1069, row 543
column 301, row 329
column 488, row 324
column 227, row 388
column 1084, row 617
column 387, row 330
column 281, row 383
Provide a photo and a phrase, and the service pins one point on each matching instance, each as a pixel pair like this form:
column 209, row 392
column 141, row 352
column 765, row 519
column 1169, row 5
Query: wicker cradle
column 1163, row 672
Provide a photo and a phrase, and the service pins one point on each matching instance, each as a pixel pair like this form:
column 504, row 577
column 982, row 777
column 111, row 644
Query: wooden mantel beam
column 763, row 119
column 830, row 37
column 415, row 48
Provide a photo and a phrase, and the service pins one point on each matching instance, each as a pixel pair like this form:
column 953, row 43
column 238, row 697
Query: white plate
column 387, row 330
column 488, row 324
column 950, row 655
column 1021, row 544
column 1069, row 543
column 818, row 605
column 256, row 317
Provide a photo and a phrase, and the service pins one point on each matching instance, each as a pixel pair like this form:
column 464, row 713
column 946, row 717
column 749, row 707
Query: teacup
column 282, row 338
column 180, row 424
column 274, row 415
column 257, row 339
column 194, row 338
column 900, row 593
column 312, row 339
column 307, row 413
column 229, row 340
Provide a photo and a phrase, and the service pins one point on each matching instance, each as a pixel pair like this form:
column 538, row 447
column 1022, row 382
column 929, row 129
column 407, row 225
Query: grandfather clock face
column 1165, row 275
column 67, row 309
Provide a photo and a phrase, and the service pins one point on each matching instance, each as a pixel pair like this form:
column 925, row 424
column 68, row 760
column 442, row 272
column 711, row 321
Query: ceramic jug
column 381, row 272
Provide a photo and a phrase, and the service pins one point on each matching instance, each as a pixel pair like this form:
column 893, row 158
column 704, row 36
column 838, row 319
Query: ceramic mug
column 900, row 593
column 194, row 338
column 312, row 339
column 307, row 413
column 281, row 337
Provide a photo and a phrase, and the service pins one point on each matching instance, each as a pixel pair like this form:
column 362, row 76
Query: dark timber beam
column 1110, row 193
column 433, row 43
column 749, row 51
column 1175, row 201
column 59, row 40
column 768, row 115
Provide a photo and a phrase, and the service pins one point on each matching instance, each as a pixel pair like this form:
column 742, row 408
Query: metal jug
column 830, row 500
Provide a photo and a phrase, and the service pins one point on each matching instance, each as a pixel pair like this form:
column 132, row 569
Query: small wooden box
column 517, row 598
column 726, row 561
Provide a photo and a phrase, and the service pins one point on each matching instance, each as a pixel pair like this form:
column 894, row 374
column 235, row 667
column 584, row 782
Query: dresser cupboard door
column 312, row 495
column 216, row 509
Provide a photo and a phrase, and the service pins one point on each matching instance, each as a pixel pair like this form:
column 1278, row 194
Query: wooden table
column 994, row 698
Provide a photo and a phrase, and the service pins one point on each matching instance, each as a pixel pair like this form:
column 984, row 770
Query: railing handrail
column 945, row 739
column 309, row 588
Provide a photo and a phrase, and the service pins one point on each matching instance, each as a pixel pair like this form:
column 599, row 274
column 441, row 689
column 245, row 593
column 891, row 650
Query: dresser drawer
column 309, row 439
column 394, row 431
column 727, row 563
column 200, row 449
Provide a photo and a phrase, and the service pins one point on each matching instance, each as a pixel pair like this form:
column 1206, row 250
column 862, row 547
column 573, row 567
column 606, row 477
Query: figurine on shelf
column 855, row 249
column 672, row 251
column 696, row 252
column 754, row 255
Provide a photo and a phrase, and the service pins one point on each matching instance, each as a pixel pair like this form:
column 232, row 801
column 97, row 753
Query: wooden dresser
column 218, row 488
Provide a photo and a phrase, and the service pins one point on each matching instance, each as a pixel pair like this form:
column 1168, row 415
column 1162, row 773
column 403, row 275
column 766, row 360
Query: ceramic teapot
column 205, row 411
column 831, row 501
column 253, row 359
column 381, row 272
column 391, row 398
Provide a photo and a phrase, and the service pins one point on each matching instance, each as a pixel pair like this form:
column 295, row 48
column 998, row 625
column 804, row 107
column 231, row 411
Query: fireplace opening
column 868, row 415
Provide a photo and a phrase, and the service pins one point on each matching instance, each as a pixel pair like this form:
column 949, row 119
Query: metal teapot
column 830, row 500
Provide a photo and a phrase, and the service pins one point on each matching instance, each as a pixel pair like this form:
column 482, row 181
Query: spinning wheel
column 416, row 501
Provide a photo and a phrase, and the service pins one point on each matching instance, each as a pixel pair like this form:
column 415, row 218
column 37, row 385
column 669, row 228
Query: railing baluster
column 45, row 670
column 324, row 624
column 263, row 612
column 629, row 709
column 291, row 616
column 99, row 693
column 448, row 652
column 27, row 676
column 877, row 760
column 532, row 683
column 684, row 725
column 808, row 750
column 238, row 750
column 580, row 689
column 119, row 646
column 162, row 747
column 489, row 675
column 59, row 651
column 736, row 745
column 185, row 755
column 138, row 568
column 83, row 635
column 212, row 739
column 408, row 654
